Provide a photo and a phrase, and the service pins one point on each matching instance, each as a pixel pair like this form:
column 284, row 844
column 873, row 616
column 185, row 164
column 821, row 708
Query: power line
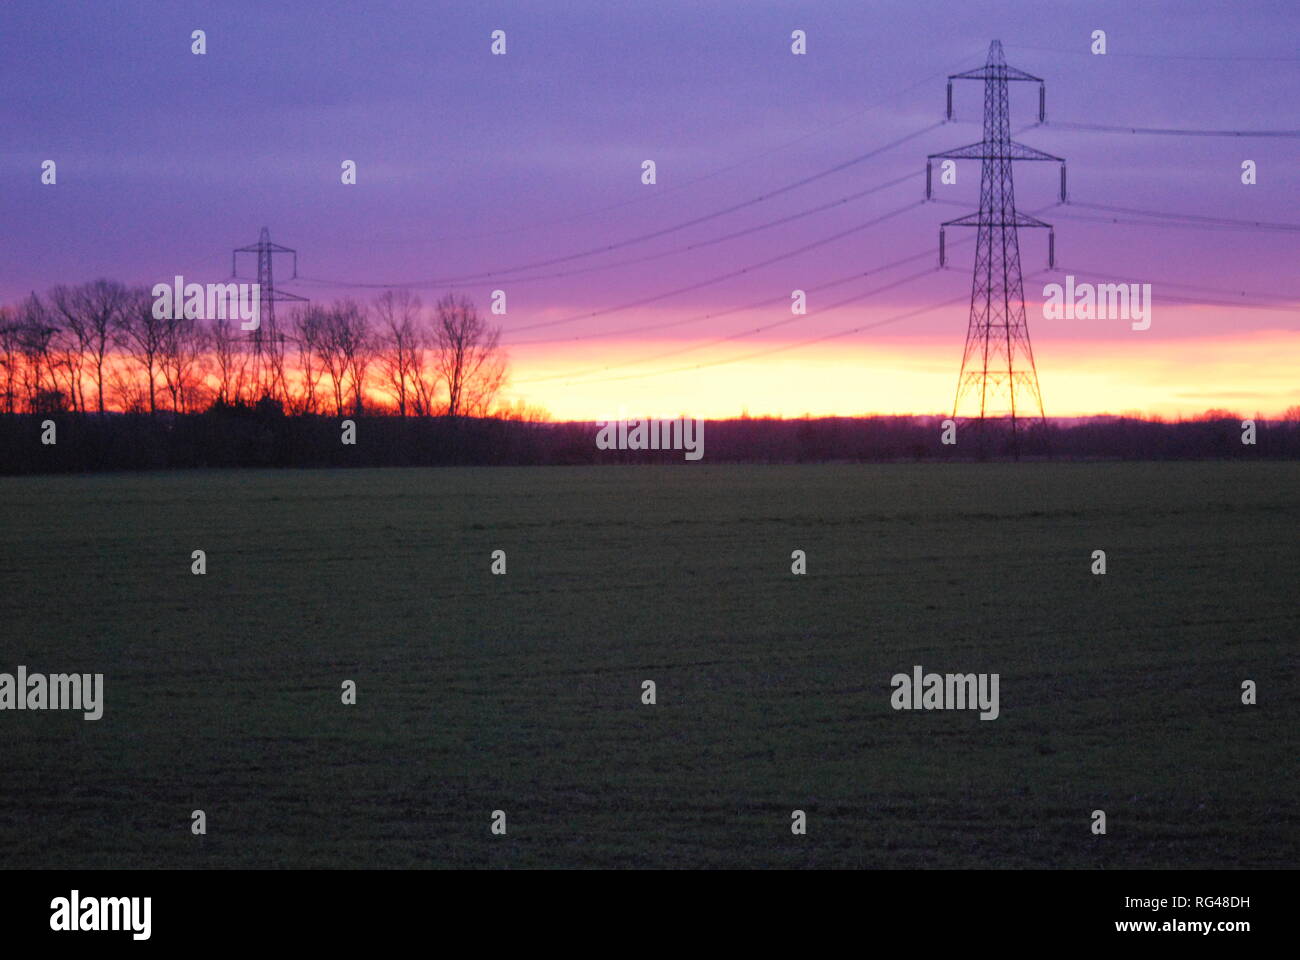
column 1157, row 56
column 767, row 225
column 755, row 305
column 964, row 298
column 1168, row 131
column 1185, row 220
column 1259, row 224
column 1202, row 302
column 1168, row 224
column 781, row 298
column 689, row 348
column 771, row 326
column 718, row 279
column 1196, row 301
column 607, row 248
column 718, row 314
column 775, row 324
column 1182, row 286
column 673, row 188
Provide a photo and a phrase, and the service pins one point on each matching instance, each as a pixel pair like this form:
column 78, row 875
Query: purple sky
column 167, row 160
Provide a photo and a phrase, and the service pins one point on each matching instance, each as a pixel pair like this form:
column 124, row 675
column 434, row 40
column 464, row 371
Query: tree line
column 263, row 436
column 101, row 346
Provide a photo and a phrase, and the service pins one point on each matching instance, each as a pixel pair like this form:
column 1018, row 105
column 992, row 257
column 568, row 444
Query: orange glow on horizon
column 1248, row 373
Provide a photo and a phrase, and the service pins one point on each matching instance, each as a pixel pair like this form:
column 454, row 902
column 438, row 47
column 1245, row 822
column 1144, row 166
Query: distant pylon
column 997, row 367
column 267, row 341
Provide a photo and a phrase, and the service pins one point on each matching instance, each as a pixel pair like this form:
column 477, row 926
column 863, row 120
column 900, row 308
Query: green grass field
column 523, row 692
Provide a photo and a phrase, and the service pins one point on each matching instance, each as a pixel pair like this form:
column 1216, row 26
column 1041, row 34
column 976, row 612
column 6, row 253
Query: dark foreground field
column 523, row 692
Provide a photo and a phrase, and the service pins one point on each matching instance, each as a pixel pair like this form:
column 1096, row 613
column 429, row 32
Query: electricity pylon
column 268, row 342
column 997, row 367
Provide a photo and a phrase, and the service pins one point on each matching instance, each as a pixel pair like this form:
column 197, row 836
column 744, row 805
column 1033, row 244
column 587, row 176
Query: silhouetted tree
column 229, row 358
column 398, row 315
column 142, row 335
column 330, row 348
column 10, row 359
column 357, row 344
column 184, row 342
column 467, row 357
column 35, row 341
column 92, row 313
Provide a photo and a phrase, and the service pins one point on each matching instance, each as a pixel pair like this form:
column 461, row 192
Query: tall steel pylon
column 997, row 366
column 267, row 341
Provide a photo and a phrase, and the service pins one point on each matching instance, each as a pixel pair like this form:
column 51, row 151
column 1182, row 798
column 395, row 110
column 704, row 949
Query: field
column 522, row 692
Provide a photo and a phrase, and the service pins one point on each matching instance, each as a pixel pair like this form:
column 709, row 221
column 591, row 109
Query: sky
column 523, row 173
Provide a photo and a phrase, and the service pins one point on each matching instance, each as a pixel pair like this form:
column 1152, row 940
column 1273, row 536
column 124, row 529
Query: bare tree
column 183, row 343
column 10, row 358
column 521, row 412
column 346, row 349
column 357, row 344
column 230, row 359
column 329, row 346
column 142, row 335
column 55, row 350
column 121, row 342
column 92, row 313
column 467, row 357
column 127, row 389
column 424, row 374
column 69, row 360
column 309, row 325
column 399, row 349
column 274, row 383
column 35, row 343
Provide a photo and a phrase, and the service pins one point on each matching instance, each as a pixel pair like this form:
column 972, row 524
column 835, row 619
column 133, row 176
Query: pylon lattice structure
column 998, row 376
column 267, row 340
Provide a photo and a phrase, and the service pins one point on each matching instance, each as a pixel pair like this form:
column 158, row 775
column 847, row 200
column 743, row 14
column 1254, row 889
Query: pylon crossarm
column 259, row 247
column 1020, row 151
column 973, row 220
column 972, row 151
column 996, row 73
column 1025, row 220
column 984, row 150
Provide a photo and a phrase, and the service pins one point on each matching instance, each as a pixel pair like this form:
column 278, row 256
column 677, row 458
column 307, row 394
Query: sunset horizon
column 671, row 291
column 576, row 436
